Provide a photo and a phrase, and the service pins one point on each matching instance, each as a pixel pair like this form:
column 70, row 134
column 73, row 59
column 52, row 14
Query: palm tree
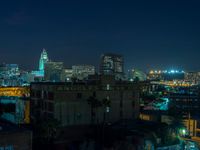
column 94, row 103
column 106, row 103
column 47, row 129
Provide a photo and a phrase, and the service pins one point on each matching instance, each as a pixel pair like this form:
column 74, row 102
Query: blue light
column 172, row 71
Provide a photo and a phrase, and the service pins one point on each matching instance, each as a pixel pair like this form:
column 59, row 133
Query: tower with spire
column 43, row 59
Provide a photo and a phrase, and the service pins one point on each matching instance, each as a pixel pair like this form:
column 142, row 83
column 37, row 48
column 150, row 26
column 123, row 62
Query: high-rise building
column 9, row 70
column 39, row 74
column 67, row 75
column 9, row 75
column 83, row 71
column 53, row 71
column 112, row 64
column 43, row 59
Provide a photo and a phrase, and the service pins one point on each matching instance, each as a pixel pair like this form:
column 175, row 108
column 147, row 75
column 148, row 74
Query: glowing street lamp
column 183, row 131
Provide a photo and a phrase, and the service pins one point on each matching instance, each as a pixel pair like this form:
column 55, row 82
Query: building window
column 32, row 93
column 79, row 95
column 50, row 107
column 50, row 95
column 134, row 94
column 38, row 94
column 133, row 103
column 94, row 94
column 108, row 87
column 45, row 95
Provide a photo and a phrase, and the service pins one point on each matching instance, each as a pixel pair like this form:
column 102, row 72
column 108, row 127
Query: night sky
column 150, row 34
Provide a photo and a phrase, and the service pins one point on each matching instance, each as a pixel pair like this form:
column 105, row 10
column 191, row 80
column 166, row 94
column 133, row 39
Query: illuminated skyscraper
column 43, row 59
column 112, row 64
column 53, row 71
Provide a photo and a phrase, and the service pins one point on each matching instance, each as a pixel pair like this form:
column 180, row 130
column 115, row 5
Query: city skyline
column 97, row 68
column 99, row 75
column 149, row 35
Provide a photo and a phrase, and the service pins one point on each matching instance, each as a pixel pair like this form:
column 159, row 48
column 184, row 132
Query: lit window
column 108, row 87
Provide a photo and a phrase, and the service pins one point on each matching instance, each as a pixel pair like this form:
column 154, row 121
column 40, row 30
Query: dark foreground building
column 14, row 138
column 100, row 99
column 82, row 108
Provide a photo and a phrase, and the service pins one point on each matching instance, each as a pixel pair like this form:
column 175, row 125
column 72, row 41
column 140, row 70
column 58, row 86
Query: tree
column 106, row 103
column 46, row 129
column 94, row 103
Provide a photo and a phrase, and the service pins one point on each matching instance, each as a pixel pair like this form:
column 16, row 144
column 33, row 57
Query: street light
column 183, row 131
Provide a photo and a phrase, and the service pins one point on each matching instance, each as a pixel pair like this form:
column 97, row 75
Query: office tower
column 9, row 70
column 53, row 71
column 9, row 75
column 43, row 59
column 112, row 64
column 39, row 74
column 66, row 75
column 83, row 71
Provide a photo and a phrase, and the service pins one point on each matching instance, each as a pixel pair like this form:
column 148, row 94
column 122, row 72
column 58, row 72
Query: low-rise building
column 193, row 77
column 168, row 75
column 15, row 104
column 14, row 138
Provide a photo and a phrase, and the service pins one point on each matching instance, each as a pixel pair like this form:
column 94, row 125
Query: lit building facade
column 193, row 77
column 9, row 75
column 136, row 74
column 67, row 75
column 53, row 71
column 39, row 74
column 27, row 77
column 43, row 59
column 15, row 104
column 112, row 64
column 166, row 75
column 82, row 71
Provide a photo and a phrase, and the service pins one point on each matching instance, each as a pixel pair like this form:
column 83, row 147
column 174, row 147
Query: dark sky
column 150, row 34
